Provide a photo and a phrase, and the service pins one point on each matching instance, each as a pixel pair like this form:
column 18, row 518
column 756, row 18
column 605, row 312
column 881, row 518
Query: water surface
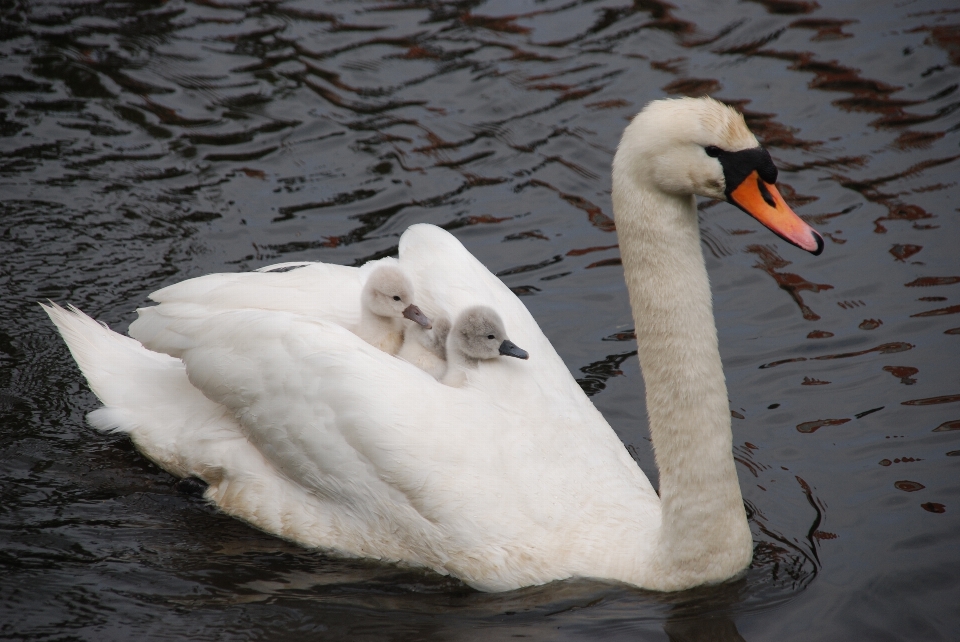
column 142, row 143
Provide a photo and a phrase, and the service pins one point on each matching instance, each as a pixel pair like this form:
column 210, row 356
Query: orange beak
column 762, row 201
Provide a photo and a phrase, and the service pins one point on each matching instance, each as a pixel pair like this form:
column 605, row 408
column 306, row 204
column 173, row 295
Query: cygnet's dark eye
column 490, row 336
column 396, row 298
column 713, row 151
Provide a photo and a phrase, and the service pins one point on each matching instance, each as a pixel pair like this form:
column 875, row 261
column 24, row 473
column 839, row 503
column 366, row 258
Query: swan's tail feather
column 145, row 394
column 110, row 362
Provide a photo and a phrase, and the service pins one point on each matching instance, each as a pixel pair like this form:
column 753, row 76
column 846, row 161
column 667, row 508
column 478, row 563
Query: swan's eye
column 396, row 298
column 490, row 336
column 712, row 151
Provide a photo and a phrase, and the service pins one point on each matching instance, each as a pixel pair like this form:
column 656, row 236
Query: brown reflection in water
column 694, row 87
column 605, row 263
column 916, row 140
column 807, row 381
column 953, row 309
column 908, row 486
column 588, row 250
column 772, row 133
column 947, row 37
column 813, row 426
column 952, row 331
column 933, row 507
column 596, row 216
column 609, row 104
column 793, row 284
column 904, row 252
column 948, row 426
column 745, row 455
column 870, row 324
column 788, row 7
column 884, row 348
column 826, row 28
column 904, row 373
column 819, row 334
column 927, row 281
column 930, row 401
column 896, row 210
column 503, row 24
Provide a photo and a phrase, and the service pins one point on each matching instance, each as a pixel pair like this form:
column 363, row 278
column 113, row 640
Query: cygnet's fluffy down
column 385, row 302
column 427, row 348
column 477, row 335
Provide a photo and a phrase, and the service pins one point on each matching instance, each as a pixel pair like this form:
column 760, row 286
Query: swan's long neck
column 704, row 534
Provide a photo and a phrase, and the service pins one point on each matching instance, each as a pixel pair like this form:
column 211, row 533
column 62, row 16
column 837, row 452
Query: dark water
column 147, row 142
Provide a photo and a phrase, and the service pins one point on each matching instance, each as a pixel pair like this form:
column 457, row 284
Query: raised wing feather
column 318, row 290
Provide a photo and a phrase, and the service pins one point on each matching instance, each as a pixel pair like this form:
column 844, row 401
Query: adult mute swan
column 512, row 479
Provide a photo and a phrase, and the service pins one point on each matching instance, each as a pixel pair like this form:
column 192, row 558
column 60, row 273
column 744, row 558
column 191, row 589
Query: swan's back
column 503, row 492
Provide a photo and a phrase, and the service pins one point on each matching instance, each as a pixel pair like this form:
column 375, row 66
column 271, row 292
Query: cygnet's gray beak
column 510, row 349
column 414, row 314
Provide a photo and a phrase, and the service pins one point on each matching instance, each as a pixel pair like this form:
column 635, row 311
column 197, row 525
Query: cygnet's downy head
column 479, row 334
column 389, row 293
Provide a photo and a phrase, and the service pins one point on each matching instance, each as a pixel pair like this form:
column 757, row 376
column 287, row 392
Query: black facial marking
column 396, row 298
column 765, row 193
column 738, row 165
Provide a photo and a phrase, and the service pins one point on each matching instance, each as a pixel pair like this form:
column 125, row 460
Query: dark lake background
column 146, row 142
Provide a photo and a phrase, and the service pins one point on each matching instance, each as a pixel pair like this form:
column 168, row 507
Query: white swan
column 514, row 478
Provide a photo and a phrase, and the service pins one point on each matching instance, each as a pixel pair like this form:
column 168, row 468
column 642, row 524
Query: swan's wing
column 319, row 290
column 493, row 489
column 147, row 395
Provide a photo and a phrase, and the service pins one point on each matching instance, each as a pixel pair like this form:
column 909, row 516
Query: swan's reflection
column 706, row 614
column 707, row 629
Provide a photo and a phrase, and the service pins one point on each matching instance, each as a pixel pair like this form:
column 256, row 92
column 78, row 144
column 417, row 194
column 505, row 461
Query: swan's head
column 701, row 146
column 478, row 333
column 389, row 293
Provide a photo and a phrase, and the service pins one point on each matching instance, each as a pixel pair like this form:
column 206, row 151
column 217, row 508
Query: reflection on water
column 142, row 143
